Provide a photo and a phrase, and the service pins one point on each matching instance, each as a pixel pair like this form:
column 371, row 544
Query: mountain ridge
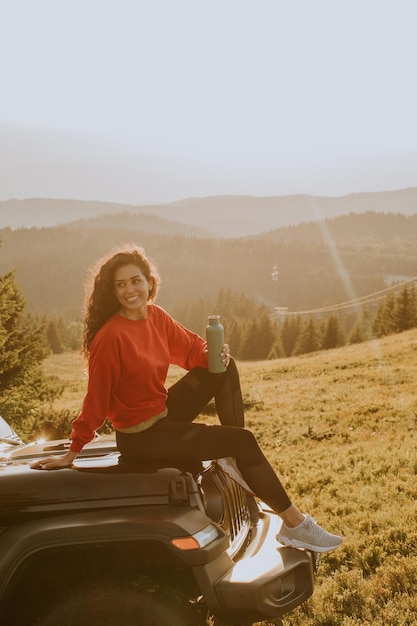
column 218, row 216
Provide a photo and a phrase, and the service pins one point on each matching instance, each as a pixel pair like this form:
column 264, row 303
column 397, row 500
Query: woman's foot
column 308, row 535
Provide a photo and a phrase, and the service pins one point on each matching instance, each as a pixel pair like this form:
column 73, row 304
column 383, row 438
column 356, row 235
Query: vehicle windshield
column 8, row 437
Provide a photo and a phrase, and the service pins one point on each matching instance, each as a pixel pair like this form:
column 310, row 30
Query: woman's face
column 131, row 289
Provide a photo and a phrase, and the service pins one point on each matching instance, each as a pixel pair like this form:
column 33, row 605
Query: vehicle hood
column 96, row 480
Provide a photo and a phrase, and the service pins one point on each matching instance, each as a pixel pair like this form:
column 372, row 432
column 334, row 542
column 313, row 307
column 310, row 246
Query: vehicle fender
column 117, row 525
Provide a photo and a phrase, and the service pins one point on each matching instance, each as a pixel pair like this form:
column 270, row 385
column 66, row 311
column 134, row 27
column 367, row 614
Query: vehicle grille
column 226, row 503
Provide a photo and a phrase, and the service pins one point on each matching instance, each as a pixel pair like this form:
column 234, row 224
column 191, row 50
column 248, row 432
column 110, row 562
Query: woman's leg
column 189, row 395
column 183, row 441
column 197, row 442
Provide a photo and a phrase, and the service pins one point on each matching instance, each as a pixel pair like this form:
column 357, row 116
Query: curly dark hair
column 100, row 301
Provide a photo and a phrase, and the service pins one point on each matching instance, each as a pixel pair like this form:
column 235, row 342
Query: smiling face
column 131, row 289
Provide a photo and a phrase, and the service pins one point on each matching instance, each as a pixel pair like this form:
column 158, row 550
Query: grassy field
column 340, row 428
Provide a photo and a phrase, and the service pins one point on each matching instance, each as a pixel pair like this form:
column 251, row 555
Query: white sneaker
column 308, row 535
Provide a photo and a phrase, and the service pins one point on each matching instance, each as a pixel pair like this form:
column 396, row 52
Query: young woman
column 130, row 342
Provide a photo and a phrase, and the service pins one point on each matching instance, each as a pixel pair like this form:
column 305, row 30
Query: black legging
column 176, row 437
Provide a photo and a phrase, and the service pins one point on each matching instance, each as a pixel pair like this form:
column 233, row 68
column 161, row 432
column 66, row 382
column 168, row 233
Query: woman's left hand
column 225, row 354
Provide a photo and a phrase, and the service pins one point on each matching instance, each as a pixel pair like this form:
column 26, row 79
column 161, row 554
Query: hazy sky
column 265, row 96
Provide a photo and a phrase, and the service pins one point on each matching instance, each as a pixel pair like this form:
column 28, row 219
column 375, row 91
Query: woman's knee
column 247, row 441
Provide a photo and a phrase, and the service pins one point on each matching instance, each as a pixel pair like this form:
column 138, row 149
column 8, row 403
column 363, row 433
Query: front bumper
column 266, row 581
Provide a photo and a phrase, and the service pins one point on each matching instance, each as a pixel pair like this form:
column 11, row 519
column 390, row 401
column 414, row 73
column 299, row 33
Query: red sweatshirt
column 128, row 366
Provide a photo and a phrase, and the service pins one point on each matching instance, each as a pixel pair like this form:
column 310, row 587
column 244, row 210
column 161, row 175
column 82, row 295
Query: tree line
column 254, row 333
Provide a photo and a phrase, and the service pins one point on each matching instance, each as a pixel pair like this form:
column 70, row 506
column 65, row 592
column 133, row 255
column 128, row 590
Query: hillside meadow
column 340, row 428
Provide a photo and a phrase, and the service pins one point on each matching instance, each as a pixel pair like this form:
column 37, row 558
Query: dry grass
column 340, row 429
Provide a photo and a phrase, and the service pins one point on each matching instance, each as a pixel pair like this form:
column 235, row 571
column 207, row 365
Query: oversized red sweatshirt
column 128, row 366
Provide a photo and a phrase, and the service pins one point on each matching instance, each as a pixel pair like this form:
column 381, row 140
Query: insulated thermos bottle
column 215, row 343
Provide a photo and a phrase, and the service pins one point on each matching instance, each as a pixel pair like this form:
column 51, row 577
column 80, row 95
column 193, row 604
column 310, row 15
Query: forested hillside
column 369, row 227
column 343, row 258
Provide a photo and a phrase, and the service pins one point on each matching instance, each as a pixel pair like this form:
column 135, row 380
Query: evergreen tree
column 266, row 336
column 413, row 305
column 289, row 334
column 62, row 332
column 74, row 334
column 233, row 336
column 277, row 350
column 249, row 349
column 236, row 312
column 404, row 316
column 53, row 336
column 23, row 386
column 309, row 339
column 357, row 334
column 384, row 322
column 396, row 314
column 333, row 334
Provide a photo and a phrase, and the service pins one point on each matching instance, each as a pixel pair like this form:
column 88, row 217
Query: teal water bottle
column 215, row 343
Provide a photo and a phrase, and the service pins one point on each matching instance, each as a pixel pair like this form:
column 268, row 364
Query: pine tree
column 248, row 347
column 74, row 334
column 233, row 336
column 53, row 336
column 309, row 339
column 266, row 336
column 23, row 386
column 357, row 334
column 384, row 322
column 277, row 350
column 396, row 314
column 333, row 334
column 404, row 316
column 289, row 334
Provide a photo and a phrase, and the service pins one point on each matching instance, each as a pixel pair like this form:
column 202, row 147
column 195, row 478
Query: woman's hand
column 225, row 354
column 55, row 462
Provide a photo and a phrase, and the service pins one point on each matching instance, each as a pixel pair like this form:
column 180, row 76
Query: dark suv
column 102, row 544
